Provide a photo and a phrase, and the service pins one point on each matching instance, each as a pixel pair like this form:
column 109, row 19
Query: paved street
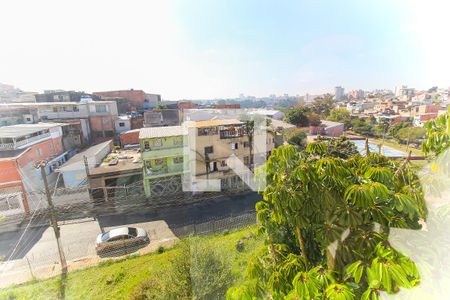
column 36, row 253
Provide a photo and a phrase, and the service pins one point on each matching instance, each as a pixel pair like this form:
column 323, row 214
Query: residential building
column 328, row 128
column 425, row 109
column 161, row 117
column 21, row 147
column 163, row 155
column 420, row 120
column 121, row 168
column 74, row 170
column 122, row 124
column 187, row 105
column 338, row 93
column 139, row 100
column 200, row 150
column 100, row 114
column 356, row 94
column 63, row 96
column 227, row 106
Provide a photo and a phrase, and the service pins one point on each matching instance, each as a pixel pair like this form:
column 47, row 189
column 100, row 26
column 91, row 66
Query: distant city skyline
column 220, row 49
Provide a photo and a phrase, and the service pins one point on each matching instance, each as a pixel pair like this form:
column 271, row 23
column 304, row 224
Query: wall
column 130, row 137
column 136, row 97
column 102, row 127
column 47, row 149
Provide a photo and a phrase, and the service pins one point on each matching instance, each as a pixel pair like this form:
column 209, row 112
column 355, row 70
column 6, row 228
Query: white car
column 122, row 237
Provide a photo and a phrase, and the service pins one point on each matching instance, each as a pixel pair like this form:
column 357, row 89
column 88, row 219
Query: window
column 50, row 146
column 178, row 160
column 209, row 149
column 246, row 160
column 100, row 108
column 234, row 146
column 246, row 144
column 55, row 109
column 223, row 163
column 28, row 119
column 121, row 124
column 75, row 108
column 178, row 141
column 158, row 162
column 146, row 145
column 207, row 131
column 132, row 231
column 157, row 143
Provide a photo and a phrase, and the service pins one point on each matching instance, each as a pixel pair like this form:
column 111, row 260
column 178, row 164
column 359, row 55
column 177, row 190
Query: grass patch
column 396, row 145
column 117, row 279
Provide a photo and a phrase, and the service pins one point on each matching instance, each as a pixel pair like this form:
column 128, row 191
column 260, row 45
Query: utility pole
column 86, row 168
column 53, row 219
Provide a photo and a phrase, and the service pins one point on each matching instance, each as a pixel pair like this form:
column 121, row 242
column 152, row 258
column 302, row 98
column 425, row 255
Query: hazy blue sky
column 207, row 49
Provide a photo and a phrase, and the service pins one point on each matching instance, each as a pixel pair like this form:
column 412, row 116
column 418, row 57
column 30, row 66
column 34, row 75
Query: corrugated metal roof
column 155, row 132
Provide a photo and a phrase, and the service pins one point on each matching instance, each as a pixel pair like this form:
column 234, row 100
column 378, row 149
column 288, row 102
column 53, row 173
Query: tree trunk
column 330, row 260
column 302, row 246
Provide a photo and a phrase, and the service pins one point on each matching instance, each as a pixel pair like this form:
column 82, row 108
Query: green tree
column 438, row 135
column 198, row 271
column 394, row 128
column 312, row 200
column 298, row 116
column 362, row 126
column 323, row 105
column 411, row 134
column 341, row 147
column 296, row 137
column 340, row 115
column 314, row 119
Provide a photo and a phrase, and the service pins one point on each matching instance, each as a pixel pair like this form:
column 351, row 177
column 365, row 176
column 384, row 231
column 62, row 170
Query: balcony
column 25, row 142
column 156, row 153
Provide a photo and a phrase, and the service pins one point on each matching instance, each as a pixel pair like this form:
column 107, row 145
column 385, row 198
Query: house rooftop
column 18, row 130
column 156, row 132
column 71, row 164
column 127, row 161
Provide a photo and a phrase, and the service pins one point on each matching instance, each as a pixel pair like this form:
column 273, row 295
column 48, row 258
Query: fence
column 30, row 262
column 216, row 225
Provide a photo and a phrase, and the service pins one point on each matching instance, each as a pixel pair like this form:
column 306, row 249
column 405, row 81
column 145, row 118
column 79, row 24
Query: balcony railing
column 18, row 144
column 178, row 168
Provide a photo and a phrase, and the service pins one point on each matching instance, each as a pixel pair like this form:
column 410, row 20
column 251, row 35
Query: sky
column 205, row 49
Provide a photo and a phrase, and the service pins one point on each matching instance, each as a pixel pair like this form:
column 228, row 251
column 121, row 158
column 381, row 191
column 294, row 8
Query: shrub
column 197, row 271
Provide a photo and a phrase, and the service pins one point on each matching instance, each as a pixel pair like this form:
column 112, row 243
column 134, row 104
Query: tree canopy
column 298, row 116
column 323, row 105
column 438, row 135
column 340, row 115
column 326, row 221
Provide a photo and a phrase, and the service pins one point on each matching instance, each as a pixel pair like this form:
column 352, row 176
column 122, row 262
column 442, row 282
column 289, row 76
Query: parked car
column 120, row 238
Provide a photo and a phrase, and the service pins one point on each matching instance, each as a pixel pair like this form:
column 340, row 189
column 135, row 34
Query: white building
column 338, row 93
column 122, row 124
